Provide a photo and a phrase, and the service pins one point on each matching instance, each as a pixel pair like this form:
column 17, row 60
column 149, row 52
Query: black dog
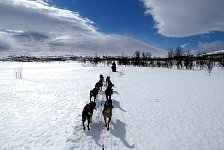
column 108, row 92
column 101, row 78
column 87, row 114
column 99, row 84
column 108, row 81
column 93, row 93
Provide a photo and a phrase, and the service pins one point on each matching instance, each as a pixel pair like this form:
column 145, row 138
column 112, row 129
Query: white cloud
column 181, row 18
column 35, row 16
column 184, row 45
column 34, row 27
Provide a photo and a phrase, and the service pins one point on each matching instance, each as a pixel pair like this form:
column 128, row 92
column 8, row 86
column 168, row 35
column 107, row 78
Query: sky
column 109, row 27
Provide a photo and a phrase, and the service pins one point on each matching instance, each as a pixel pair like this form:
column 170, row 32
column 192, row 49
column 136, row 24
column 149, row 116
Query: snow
column 215, row 52
column 154, row 108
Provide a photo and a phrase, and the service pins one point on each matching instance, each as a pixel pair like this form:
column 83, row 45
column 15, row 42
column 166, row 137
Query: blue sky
column 127, row 17
column 193, row 25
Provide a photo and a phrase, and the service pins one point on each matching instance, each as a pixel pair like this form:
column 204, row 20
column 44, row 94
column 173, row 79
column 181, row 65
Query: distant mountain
column 116, row 45
column 36, row 44
column 215, row 52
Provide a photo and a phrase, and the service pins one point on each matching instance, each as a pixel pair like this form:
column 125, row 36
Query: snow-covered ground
column 154, row 108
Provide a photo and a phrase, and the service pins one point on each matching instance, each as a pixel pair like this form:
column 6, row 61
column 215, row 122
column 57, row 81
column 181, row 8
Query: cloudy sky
column 109, row 27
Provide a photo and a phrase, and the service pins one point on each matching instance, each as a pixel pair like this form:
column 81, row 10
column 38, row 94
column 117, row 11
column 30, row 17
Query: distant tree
column 170, row 56
column 148, row 55
column 96, row 59
column 170, row 53
column 188, row 53
column 178, row 52
column 137, row 55
column 221, row 61
column 188, row 62
column 144, row 59
column 123, row 60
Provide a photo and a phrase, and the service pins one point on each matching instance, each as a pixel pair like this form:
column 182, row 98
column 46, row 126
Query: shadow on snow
column 120, row 132
column 116, row 104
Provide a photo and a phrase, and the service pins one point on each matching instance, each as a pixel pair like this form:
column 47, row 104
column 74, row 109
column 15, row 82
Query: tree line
column 176, row 58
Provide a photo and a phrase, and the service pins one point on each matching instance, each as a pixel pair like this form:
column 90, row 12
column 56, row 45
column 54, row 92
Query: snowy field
column 154, row 108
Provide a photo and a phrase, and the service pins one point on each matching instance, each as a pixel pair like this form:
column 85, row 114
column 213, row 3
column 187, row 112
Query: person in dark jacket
column 113, row 67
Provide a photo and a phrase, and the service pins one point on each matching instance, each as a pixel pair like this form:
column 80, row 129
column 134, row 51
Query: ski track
column 154, row 108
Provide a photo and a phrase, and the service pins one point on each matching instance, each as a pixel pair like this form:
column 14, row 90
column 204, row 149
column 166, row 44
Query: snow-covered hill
column 215, row 52
column 115, row 45
column 154, row 108
column 112, row 45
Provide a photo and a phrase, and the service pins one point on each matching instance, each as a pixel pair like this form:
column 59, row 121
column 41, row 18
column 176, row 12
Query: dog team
column 107, row 111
